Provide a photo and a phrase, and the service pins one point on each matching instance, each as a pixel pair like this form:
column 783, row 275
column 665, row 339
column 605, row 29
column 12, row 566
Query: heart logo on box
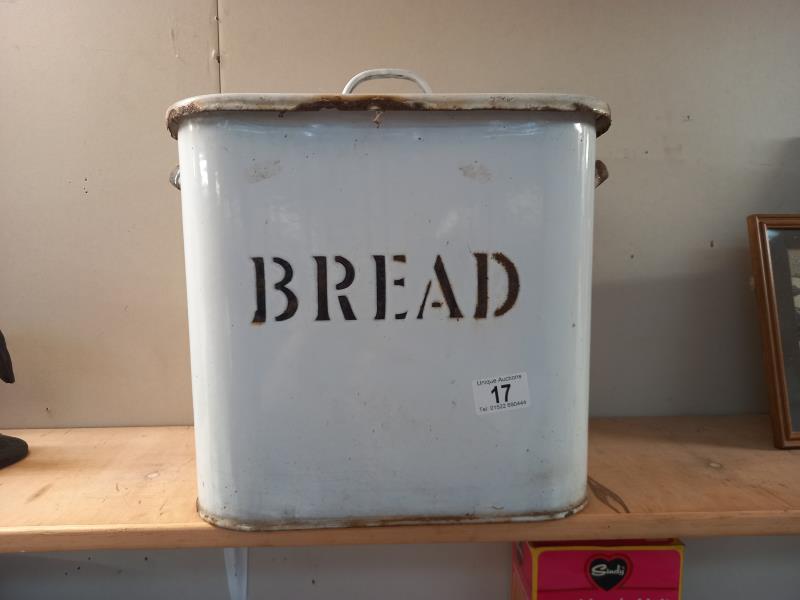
column 608, row 573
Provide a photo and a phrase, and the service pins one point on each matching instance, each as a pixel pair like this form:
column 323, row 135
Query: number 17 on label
column 501, row 393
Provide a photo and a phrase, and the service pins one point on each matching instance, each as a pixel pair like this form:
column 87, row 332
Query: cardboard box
column 614, row 570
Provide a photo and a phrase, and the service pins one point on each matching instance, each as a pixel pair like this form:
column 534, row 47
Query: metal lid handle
column 386, row 74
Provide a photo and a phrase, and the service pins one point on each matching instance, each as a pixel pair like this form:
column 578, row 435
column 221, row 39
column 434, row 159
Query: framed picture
column 775, row 252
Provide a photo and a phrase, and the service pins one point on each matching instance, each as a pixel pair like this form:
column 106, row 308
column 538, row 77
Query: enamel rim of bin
column 384, row 102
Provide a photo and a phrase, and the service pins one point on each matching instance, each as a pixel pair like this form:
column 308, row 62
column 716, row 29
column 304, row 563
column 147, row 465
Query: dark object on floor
column 11, row 449
column 6, row 370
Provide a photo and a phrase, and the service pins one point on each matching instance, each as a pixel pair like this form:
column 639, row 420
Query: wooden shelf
column 650, row 478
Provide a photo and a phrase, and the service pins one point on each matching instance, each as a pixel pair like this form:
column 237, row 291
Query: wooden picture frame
column 775, row 255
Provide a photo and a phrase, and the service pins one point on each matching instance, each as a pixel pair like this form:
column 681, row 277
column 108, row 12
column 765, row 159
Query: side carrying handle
column 175, row 176
column 386, row 74
column 600, row 172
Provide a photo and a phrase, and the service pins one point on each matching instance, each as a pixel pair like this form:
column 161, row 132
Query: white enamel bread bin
column 389, row 304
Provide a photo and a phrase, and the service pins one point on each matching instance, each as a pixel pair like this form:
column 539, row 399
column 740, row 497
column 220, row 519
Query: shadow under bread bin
column 389, row 304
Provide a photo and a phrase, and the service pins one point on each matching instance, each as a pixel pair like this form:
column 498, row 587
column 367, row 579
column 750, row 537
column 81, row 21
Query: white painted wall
column 706, row 130
column 93, row 300
column 718, row 569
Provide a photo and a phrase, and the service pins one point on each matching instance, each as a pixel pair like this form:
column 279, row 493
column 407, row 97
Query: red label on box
column 598, row 571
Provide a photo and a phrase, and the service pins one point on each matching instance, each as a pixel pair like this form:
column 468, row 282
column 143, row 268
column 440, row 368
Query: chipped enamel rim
column 339, row 523
column 282, row 103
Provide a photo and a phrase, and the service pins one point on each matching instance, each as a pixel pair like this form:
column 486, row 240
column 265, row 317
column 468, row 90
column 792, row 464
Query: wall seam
column 219, row 48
